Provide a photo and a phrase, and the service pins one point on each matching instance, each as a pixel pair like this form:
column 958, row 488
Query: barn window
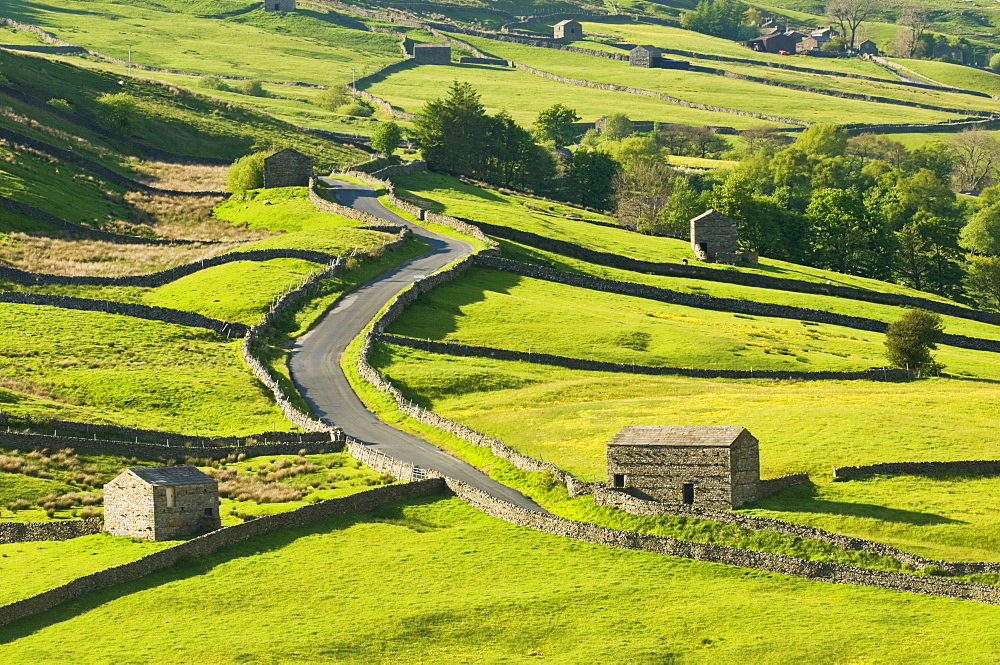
column 170, row 496
column 688, row 493
column 208, row 512
column 619, row 480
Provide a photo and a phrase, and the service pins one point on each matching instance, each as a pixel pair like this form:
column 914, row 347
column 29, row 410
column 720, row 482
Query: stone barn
column 714, row 238
column 287, row 168
column 644, row 56
column 279, row 5
column 868, row 47
column 709, row 467
column 569, row 30
column 432, row 54
column 161, row 503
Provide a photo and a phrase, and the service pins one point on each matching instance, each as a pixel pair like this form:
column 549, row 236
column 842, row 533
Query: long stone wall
column 469, row 351
column 822, row 571
column 165, row 276
column 971, row 467
column 732, row 276
column 213, row 542
column 737, row 305
column 137, row 310
column 24, row 532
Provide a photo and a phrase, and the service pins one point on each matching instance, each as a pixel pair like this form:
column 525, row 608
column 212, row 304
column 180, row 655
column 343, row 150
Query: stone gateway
column 161, row 503
column 287, row 168
column 711, row 467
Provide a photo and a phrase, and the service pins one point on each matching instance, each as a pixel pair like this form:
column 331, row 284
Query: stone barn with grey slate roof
column 279, row 5
column 161, row 503
column 710, row 467
column 567, row 30
column 644, row 56
column 432, row 54
column 287, row 168
column 714, row 238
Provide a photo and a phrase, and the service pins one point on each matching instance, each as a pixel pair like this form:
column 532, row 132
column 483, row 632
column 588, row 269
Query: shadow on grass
column 804, row 499
column 189, row 567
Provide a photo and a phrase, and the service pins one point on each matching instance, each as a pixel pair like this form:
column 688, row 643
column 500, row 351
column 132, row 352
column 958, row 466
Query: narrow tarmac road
column 315, row 357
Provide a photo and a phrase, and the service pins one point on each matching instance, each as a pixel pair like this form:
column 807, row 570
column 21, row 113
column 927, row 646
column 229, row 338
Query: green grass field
column 135, row 372
column 524, row 95
column 546, row 597
column 956, row 75
column 301, row 46
column 709, row 88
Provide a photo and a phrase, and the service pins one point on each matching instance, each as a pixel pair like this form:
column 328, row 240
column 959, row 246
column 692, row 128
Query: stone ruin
column 161, row 503
column 714, row 238
column 287, row 168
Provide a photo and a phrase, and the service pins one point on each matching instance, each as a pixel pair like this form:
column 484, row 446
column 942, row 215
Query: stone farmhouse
column 432, row 54
column 714, row 238
column 279, row 5
column 783, row 42
column 568, row 30
column 709, row 467
column 287, row 168
column 161, row 503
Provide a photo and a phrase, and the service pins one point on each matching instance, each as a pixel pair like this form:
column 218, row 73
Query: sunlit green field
column 547, row 597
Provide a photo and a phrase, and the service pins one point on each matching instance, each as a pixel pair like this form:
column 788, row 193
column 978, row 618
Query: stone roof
column 647, row 47
column 430, row 45
column 171, row 475
column 711, row 213
column 677, row 435
column 567, row 22
column 289, row 152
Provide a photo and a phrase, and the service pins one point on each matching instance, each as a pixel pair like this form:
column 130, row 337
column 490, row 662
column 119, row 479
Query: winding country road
column 315, row 357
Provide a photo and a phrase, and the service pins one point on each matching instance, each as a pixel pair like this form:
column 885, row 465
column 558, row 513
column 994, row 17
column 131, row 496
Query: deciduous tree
column 386, row 137
column 850, row 14
column 910, row 340
column 555, row 125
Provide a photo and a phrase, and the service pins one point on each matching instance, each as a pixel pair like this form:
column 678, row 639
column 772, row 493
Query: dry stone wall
column 24, row 532
column 139, row 311
column 971, row 467
column 732, row 276
column 165, row 276
column 213, row 542
column 469, row 351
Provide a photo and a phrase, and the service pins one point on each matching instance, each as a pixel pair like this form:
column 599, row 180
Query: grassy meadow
column 547, row 597
column 708, row 88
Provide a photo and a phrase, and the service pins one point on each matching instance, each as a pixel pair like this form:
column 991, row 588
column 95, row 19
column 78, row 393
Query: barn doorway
column 619, row 480
column 687, row 493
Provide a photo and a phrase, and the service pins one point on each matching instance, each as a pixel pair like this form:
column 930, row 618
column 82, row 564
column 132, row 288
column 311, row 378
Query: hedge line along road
column 315, row 357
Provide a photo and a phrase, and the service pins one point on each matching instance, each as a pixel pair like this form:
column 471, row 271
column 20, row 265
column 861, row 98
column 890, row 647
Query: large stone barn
column 432, row 54
column 287, row 168
column 569, row 30
column 279, row 5
column 161, row 503
column 711, row 467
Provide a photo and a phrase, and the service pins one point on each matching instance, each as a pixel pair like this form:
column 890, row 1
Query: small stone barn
column 710, row 467
column 714, row 238
column 432, row 54
column 287, row 168
column 161, row 503
column 569, row 30
column 644, row 56
column 868, row 47
column 279, row 5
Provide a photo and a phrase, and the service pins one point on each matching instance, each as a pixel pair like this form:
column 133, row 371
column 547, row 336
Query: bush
column 995, row 63
column 386, row 137
column 60, row 104
column 251, row 88
column 246, row 173
column 909, row 341
column 215, row 83
column 118, row 112
column 356, row 108
column 333, row 97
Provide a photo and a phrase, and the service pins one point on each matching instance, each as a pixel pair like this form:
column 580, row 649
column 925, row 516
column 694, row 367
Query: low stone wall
column 769, row 486
column 636, row 506
column 173, row 449
column 165, row 276
column 379, row 462
column 38, row 48
column 659, row 95
column 821, row 571
column 496, row 62
column 25, row 532
column 213, row 542
column 361, row 83
column 334, row 208
column 731, row 276
column 416, row 166
column 468, row 351
column 41, row 215
column 737, row 305
column 970, row 467
column 139, row 311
